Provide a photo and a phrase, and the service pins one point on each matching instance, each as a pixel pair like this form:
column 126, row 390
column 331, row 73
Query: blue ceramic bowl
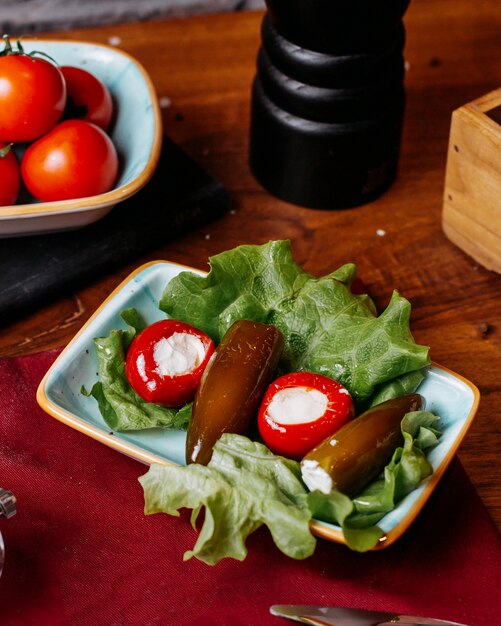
column 447, row 394
column 136, row 133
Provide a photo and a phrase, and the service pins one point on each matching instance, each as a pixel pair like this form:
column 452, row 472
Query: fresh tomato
column 165, row 362
column 300, row 410
column 88, row 98
column 32, row 96
column 74, row 160
column 10, row 178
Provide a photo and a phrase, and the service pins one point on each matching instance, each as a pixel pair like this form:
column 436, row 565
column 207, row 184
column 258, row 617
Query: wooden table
column 204, row 66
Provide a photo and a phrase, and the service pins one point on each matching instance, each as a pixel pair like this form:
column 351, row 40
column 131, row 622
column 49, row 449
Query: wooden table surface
column 204, row 66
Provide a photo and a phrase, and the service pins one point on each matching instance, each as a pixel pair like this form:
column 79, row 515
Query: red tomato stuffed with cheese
column 165, row 362
column 300, row 410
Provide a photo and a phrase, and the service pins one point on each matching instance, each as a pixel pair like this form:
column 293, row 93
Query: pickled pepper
column 232, row 386
column 357, row 453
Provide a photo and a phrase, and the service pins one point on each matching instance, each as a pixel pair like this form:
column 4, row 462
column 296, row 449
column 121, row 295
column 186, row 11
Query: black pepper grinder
column 328, row 100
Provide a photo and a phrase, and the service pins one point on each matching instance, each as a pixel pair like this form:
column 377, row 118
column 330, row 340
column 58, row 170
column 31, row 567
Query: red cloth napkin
column 80, row 550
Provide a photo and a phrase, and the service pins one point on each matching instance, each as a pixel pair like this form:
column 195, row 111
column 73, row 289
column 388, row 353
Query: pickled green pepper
column 232, row 386
column 357, row 453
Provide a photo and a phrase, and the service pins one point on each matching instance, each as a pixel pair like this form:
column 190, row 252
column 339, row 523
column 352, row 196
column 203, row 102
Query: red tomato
column 300, row 410
column 165, row 362
column 10, row 177
column 88, row 98
column 32, row 97
column 74, row 160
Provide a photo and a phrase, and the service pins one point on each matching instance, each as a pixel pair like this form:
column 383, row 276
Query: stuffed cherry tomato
column 165, row 362
column 300, row 410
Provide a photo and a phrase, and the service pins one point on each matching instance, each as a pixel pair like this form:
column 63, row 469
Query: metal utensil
column 7, row 503
column 7, row 509
column 337, row 616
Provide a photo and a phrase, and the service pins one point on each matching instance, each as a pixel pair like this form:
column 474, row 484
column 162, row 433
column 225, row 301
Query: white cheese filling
column 315, row 477
column 179, row 354
column 297, row 405
column 141, row 367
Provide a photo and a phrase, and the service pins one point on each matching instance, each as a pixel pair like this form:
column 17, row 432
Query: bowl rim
column 318, row 528
column 118, row 194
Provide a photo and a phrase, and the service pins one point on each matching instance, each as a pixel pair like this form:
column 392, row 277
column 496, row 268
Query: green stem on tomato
column 8, row 46
column 5, row 150
column 10, row 51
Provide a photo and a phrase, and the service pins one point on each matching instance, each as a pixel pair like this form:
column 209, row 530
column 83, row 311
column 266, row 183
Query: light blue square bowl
column 136, row 133
column 447, row 394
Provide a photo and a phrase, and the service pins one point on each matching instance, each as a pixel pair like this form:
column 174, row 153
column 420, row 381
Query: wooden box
column 471, row 216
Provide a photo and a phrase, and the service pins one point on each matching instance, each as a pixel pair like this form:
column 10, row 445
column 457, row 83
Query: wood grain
column 471, row 215
column 204, row 66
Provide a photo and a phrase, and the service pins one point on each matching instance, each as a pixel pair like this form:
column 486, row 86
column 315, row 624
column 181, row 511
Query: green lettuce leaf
column 327, row 329
column 243, row 486
column 400, row 386
column 121, row 407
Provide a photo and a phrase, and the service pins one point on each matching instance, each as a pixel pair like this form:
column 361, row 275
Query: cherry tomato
column 165, row 362
column 32, row 97
column 74, row 160
column 10, row 177
column 88, row 98
column 300, row 410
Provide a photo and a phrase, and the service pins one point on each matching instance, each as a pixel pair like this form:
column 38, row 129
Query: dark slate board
column 35, row 269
